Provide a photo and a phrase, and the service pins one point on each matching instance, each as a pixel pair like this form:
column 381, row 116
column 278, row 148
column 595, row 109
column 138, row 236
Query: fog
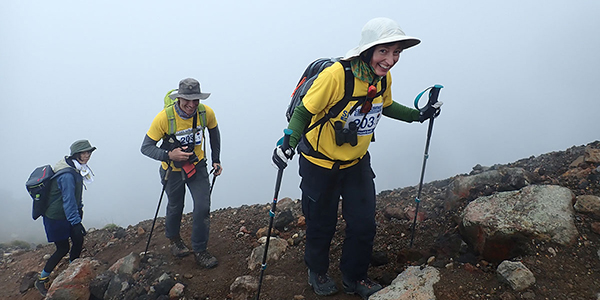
column 519, row 80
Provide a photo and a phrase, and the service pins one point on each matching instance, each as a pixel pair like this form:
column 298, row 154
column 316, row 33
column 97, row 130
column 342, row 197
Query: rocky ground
column 561, row 272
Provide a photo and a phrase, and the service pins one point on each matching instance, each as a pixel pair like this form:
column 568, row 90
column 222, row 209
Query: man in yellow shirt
column 182, row 155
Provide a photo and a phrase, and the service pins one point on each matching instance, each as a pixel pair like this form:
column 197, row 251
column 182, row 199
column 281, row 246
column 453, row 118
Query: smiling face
column 83, row 157
column 188, row 106
column 385, row 57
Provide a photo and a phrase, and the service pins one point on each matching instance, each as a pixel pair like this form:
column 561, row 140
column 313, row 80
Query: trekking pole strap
column 434, row 92
column 286, row 139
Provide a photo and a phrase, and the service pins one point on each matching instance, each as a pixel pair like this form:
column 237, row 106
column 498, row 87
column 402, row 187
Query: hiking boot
column 178, row 248
column 42, row 285
column 206, row 260
column 322, row 284
column 363, row 288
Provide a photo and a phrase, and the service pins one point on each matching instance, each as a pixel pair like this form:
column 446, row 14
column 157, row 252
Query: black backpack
column 38, row 186
column 308, row 77
column 306, row 80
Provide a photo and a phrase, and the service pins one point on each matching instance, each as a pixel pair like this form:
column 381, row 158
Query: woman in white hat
column 62, row 218
column 334, row 160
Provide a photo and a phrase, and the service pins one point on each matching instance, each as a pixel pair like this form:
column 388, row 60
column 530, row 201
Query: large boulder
column 467, row 188
column 74, row 282
column 500, row 226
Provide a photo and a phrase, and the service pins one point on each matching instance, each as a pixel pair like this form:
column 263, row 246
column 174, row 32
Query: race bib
column 366, row 123
column 185, row 137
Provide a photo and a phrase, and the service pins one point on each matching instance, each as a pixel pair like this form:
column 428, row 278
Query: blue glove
column 280, row 157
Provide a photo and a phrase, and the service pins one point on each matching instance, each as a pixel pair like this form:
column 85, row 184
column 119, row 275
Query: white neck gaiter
column 85, row 171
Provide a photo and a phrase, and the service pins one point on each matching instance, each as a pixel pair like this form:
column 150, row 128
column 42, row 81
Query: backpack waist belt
column 305, row 148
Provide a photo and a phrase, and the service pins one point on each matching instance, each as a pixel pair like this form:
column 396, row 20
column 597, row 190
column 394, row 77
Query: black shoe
column 322, row 284
column 42, row 285
column 178, row 248
column 206, row 260
column 363, row 288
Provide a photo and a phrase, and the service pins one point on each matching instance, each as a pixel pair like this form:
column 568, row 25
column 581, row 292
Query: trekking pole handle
column 215, row 169
column 433, row 96
column 286, row 139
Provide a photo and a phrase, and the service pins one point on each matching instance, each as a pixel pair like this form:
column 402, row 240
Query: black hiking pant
column 321, row 191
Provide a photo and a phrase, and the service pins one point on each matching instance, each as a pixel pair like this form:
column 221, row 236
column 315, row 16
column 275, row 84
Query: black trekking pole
column 284, row 146
column 433, row 95
column 158, row 207
column 213, row 180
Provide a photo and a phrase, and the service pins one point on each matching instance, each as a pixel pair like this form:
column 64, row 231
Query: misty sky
column 519, row 80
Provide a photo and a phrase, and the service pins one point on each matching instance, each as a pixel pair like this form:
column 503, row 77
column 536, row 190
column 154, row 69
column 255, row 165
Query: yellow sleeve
column 326, row 90
column 387, row 94
column 159, row 126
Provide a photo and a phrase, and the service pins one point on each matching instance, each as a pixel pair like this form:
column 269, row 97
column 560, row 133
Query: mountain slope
column 561, row 272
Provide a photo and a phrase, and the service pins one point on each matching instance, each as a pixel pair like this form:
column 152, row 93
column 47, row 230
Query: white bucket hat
column 381, row 31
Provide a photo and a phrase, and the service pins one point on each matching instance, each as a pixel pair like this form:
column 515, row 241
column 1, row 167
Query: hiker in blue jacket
column 334, row 160
column 62, row 218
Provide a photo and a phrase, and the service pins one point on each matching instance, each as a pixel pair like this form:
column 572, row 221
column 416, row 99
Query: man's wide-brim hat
column 381, row 31
column 189, row 89
column 81, row 146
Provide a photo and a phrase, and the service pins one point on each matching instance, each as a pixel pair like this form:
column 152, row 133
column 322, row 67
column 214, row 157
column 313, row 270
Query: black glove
column 280, row 157
column 78, row 229
column 429, row 112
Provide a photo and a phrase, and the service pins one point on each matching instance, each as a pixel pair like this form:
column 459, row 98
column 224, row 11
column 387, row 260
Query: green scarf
column 364, row 71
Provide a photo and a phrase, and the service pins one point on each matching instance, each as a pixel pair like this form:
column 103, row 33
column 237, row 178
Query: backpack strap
column 348, row 90
column 202, row 113
column 172, row 126
column 170, row 110
column 338, row 107
column 336, row 110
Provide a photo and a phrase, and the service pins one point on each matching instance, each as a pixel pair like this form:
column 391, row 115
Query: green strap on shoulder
column 202, row 113
column 170, row 110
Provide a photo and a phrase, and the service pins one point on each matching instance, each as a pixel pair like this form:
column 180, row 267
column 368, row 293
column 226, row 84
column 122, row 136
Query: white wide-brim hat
column 381, row 31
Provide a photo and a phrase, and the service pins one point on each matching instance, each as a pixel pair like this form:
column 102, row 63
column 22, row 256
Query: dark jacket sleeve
column 215, row 144
column 150, row 149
